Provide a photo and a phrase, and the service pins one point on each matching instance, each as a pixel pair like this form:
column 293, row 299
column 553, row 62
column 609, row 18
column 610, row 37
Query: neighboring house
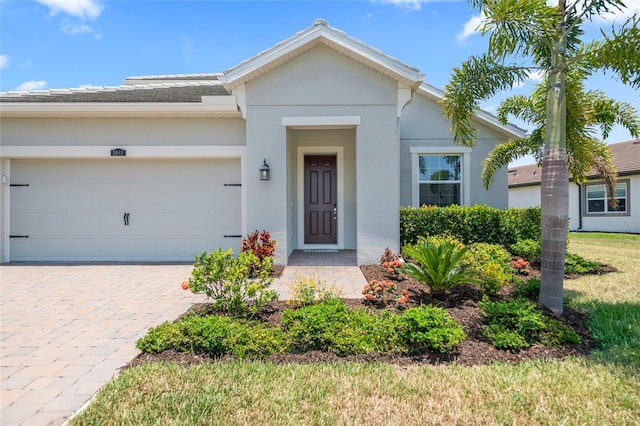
column 163, row 167
column 588, row 206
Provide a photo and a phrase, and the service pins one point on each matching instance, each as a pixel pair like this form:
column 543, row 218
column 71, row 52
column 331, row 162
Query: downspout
column 579, row 207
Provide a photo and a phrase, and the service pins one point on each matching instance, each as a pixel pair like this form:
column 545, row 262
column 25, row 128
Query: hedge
column 470, row 224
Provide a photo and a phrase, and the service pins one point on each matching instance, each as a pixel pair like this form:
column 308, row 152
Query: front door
column 320, row 199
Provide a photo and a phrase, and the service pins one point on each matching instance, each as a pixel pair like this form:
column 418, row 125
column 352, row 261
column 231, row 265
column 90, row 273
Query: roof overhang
column 210, row 107
column 320, row 33
column 510, row 130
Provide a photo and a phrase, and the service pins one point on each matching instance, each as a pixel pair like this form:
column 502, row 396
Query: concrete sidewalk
column 67, row 329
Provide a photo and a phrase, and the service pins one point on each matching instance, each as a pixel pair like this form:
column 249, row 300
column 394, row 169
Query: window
column 441, row 175
column 596, row 199
column 440, row 179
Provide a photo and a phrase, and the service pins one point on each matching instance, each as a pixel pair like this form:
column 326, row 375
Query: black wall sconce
column 265, row 171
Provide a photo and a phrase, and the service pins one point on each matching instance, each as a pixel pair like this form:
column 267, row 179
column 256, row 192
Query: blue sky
column 49, row 44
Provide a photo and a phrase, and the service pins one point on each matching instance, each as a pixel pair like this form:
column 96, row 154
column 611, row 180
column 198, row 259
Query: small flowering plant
column 384, row 292
column 401, row 301
column 521, row 266
column 391, row 262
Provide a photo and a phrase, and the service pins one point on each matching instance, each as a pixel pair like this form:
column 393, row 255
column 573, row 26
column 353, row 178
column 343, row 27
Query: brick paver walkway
column 65, row 330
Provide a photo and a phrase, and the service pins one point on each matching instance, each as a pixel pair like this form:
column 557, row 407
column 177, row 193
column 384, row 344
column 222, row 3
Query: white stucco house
column 588, row 206
column 163, row 167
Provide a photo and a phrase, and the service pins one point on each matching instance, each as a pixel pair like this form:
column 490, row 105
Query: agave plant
column 439, row 265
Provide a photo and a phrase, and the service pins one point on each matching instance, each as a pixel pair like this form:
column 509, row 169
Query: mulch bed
column 460, row 303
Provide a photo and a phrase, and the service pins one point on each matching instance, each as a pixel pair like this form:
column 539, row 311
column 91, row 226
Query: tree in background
column 533, row 36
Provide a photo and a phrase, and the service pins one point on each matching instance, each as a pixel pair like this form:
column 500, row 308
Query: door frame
column 338, row 151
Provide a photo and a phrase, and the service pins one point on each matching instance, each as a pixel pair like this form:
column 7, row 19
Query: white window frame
column 606, row 212
column 463, row 152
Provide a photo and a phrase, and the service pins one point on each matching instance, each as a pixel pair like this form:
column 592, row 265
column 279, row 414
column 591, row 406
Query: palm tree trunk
column 555, row 182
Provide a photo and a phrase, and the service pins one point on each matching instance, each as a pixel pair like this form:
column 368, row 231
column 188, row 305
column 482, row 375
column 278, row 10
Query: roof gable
column 320, row 33
column 482, row 117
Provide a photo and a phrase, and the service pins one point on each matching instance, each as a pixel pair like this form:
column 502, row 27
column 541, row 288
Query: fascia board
column 236, row 76
column 220, row 105
column 480, row 116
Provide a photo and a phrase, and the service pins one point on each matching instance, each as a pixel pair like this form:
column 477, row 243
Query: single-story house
column 318, row 139
column 588, row 206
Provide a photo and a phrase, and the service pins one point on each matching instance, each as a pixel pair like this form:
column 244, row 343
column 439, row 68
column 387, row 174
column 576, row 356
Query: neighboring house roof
column 320, row 32
column 510, row 130
column 626, row 158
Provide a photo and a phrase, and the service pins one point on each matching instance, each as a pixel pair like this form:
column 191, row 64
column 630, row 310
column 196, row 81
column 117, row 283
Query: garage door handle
column 126, row 219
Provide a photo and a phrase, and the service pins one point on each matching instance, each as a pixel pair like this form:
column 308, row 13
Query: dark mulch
column 460, row 303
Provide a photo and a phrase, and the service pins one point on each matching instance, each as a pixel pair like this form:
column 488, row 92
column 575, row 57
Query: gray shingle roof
column 189, row 90
column 626, row 157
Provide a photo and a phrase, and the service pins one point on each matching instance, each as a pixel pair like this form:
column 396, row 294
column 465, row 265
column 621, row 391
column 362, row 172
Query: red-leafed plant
column 260, row 243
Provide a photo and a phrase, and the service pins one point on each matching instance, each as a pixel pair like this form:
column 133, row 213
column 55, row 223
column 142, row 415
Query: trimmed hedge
column 470, row 224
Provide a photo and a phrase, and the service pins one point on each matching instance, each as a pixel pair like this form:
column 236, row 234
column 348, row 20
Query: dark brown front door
column 320, row 199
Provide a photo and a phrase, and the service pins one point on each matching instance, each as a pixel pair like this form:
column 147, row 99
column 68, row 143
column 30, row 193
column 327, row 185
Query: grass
column 601, row 389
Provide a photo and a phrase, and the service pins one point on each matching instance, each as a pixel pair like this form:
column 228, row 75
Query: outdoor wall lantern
column 265, row 171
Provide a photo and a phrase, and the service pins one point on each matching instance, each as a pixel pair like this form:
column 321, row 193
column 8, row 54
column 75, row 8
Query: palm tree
column 544, row 38
column 588, row 113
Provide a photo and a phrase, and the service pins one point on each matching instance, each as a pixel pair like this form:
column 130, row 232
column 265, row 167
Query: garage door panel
column 74, row 209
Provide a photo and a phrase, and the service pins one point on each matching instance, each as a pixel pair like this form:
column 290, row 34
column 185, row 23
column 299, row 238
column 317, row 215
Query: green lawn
column 603, row 389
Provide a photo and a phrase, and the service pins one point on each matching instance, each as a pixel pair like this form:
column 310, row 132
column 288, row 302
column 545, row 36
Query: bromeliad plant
column 439, row 265
column 237, row 285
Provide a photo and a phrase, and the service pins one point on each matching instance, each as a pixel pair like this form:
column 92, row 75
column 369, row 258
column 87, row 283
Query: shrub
column 521, row 266
column 192, row 334
column 383, row 292
column 518, row 324
column 430, row 327
column 391, row 262
column 470, row 224
column 310, row 290
column 439, row 265
column 491, row 261
column 493, row 276
column 255, row 340
column 529, row 249
column 331, row 326
column 575, row 264
column 259, row 244
column 226, row 279
column 215, row 336
column 529, row 289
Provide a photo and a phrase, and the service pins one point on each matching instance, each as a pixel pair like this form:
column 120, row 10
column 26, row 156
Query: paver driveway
column 66, row 329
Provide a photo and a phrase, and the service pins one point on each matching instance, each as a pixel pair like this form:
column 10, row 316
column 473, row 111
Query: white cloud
column 631, row 7
column 409, row 4
column 4, row 61
column 73, row 29
column 470, row 27
column 517, row 85
column 32, row 85
column 187, row 44
column 536, row 75
column 85, row 9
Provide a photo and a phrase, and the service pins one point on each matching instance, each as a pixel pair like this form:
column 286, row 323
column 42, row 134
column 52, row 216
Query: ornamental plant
column 383, row 293
column 438, row 265
column 521, row 266
column 238, row 286
column 310, row 290
column 260, row 244
column 391, row 262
